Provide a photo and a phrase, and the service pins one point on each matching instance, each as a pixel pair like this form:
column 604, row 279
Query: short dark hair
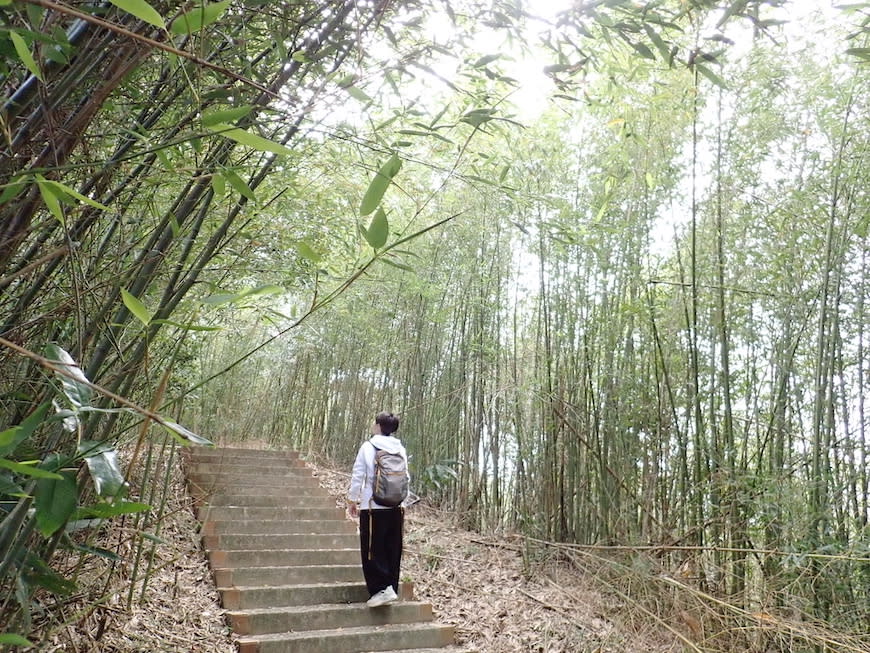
column 388, row 422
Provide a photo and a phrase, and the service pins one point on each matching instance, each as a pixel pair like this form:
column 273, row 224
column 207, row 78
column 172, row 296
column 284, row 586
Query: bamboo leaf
column 141, row 10
column 27, row 469
column 187, row 327
column 11, row 189
column 9, row 487
column 735, row 8
column 102, row 462
column 657, row 40
column 173, row 224
column 221, row 298
column 483, row 61
column 185, row 436
column 76, row 388
column 69, row 418
column 397, row 264
column 713, row 77
column 52, row 202
column 477, row 117
column 230, row 298
column 15, row 640
column 306, row 251
column 92, row 550
column 136, row 307
column 863, row 53
column 219, row 184
column 66, row 190
column 55, row 503
column 12, row 437
column 74, row 525
column 212, row 118
column 419, row 132
column 266, row 289
column 239, row 185
column 643, row 51
column 37, row 572
column 152, row 537
column 358, row 94
column 379, row 185
column 248, row 139
column 107, row 510
column 378, row 230
column 23, row 52
column 199, row 17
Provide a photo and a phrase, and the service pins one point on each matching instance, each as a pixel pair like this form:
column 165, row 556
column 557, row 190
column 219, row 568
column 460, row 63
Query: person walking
column 380, row 526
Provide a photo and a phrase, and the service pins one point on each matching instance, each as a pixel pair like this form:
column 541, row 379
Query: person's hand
column 353, row 509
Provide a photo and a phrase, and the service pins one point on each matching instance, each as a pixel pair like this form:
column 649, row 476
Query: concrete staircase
column 286, row 561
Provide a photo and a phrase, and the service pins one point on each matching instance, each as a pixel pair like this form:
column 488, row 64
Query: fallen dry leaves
column 500, row 601
column 497, row 599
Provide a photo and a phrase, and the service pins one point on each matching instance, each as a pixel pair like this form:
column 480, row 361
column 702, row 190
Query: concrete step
column 286, row 561
column 256, row 491
column 295, row 495
column 292, row 541
column 283, row 558
column 195, row 453
column 248, row 489
column 280, row 500
column 244, row 513
column 293, row 510
column 329, row 524
column 324, row 616
column 248, row 598
column 205, row 479
column 349, row 640
column 281, row 596
column 247, row 468
column 205, row 489
column 210, row 487
column 290, row 575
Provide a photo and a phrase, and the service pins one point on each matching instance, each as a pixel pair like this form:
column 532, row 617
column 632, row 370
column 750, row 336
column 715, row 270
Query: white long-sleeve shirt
column 362, row 477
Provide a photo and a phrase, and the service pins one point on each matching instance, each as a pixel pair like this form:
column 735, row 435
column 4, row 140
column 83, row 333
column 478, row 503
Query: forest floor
column 497, row 600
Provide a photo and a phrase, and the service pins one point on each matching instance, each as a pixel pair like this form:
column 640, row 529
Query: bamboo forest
column 608, row 260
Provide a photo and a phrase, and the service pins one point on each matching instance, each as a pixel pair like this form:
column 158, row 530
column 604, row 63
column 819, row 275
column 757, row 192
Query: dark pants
column 380, row 544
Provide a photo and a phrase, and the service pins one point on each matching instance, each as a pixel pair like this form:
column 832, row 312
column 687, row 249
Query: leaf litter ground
column 497, row 599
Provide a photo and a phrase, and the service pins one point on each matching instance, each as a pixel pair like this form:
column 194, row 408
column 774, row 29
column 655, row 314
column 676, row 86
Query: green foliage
column 141, row 9
column 106, row 473
column 108, row 510
column 378, row 230
column 254, row 141
column 24, row 54
column 12, row 437
column 198, row 18
column 136, row 307
column 436, row 476
column 28, row 469
column 55, row 502
column 379, row 185
column 73, row 382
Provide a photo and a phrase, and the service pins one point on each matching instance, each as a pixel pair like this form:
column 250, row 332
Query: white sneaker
column 383, row 597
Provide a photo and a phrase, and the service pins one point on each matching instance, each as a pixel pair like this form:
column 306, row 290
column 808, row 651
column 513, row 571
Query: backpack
column 390, row 485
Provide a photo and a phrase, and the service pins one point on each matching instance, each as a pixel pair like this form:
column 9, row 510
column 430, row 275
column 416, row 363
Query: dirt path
column 497, row 601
